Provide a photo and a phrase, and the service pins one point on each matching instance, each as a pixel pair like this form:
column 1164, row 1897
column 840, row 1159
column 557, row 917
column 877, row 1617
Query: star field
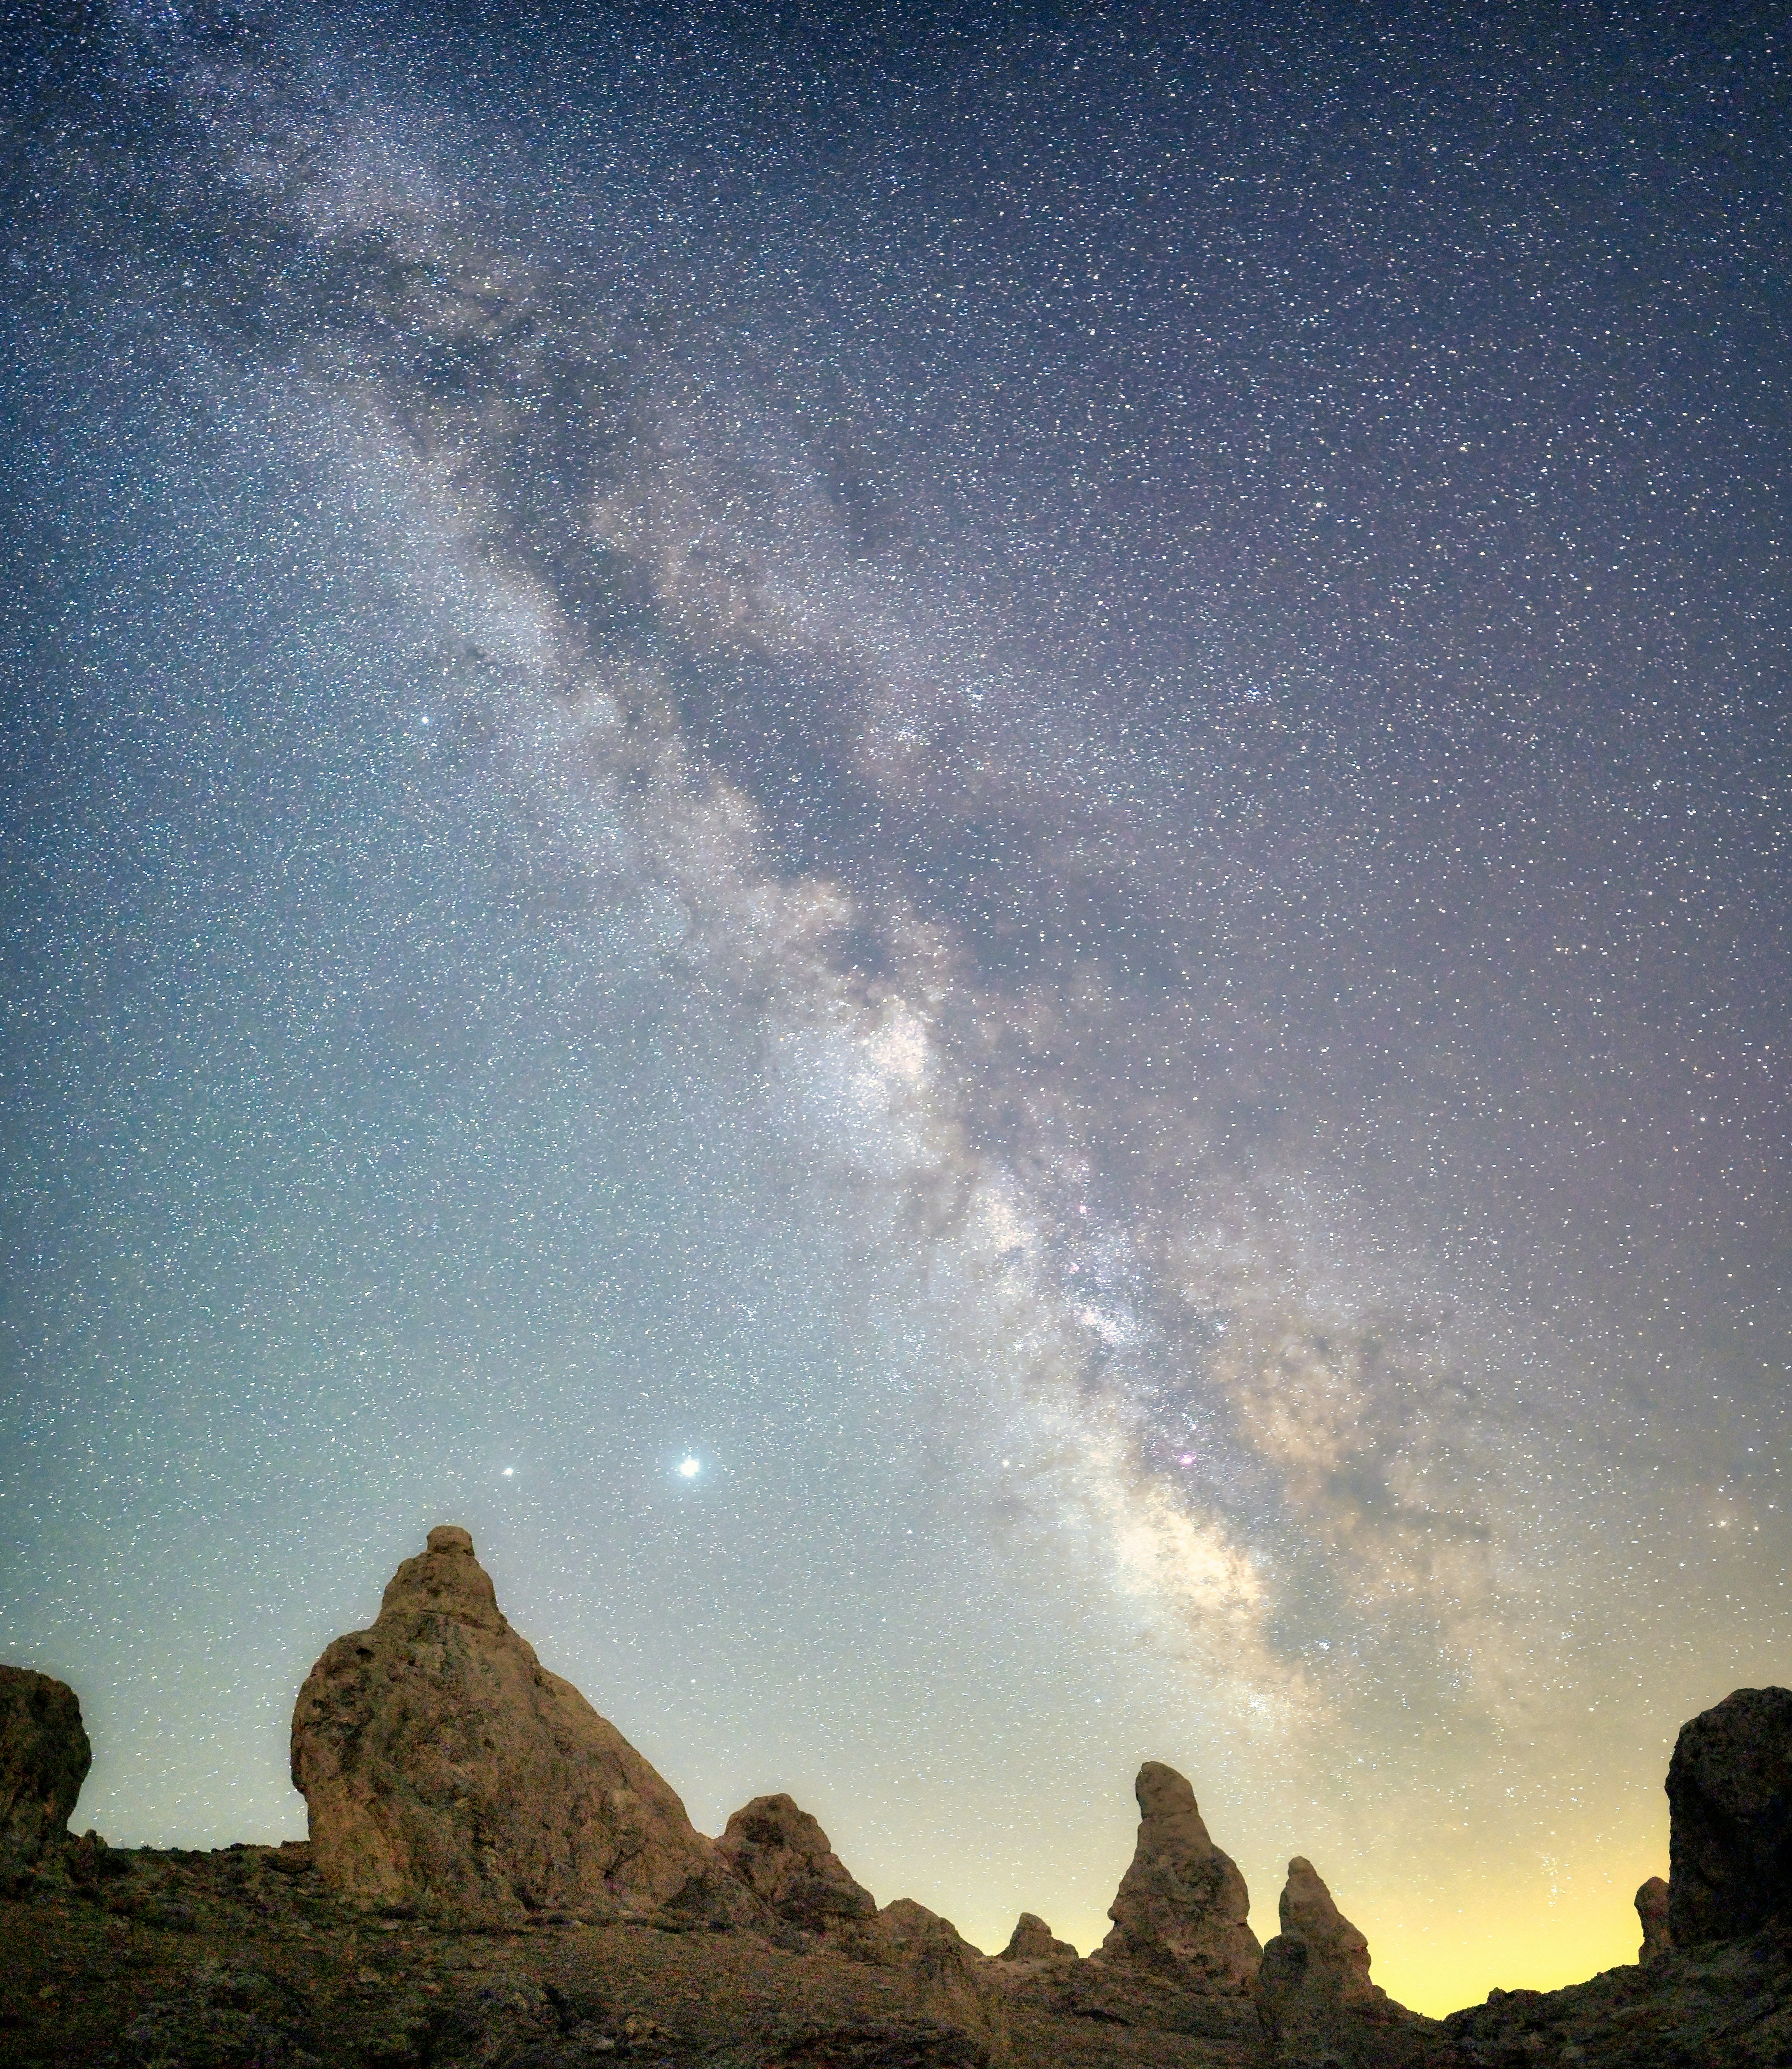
column 953, row 847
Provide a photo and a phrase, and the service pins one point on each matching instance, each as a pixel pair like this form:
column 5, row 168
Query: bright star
column 689, row 1468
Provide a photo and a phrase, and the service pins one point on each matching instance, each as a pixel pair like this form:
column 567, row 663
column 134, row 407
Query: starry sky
column 1021, row 773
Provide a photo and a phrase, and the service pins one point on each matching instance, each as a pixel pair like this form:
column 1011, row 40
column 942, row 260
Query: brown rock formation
column 44, row 1757
column 1314, row 1996
column 782, row 1855
column 1031, row 1940
column 1182, row 1904
column 443, row 1767
column 1651, row 1908
column 1339, row 1952
column 940, row 1973
column 1729, row 1799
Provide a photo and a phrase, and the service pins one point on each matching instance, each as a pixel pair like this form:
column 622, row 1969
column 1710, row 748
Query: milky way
column 955, row 852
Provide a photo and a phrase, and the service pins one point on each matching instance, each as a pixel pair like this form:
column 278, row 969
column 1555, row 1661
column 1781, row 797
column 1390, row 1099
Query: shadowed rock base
column 1716, row 2007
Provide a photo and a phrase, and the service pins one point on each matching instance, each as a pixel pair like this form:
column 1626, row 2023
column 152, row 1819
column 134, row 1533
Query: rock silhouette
column 44, row 1758
column 443, row 1768
column 1651, row 1909
column 1182, row 1905
column 1031, row 1940
column 782, row 1855
column 1729, row 1800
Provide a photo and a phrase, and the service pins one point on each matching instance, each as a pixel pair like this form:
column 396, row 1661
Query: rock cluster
column 1182, row 1905
column 44, row 1757
column 444, row 1768
column 1729, row 1799
column 783, row 1857
column 447, row 1773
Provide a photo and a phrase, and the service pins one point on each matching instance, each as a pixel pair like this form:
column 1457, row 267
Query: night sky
column 953, row 847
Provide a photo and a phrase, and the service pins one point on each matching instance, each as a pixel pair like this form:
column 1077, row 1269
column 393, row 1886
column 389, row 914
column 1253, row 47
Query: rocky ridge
column 494, row 1876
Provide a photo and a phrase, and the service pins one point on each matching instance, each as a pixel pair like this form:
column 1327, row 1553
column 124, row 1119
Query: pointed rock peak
column 445, row 1579
column 1314, row 1996
column 443, row 1767
column 1182, row 1905
column 782, row 1855
column 1307, row 1908
column 1032, row 1941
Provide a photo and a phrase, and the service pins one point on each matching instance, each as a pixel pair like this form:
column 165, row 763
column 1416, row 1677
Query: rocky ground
column 143, row 1959
column 1726, row 2006
column 153, row 1959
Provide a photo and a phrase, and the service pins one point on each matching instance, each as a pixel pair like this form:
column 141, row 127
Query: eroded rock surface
column 1340, row 1952
column 1729, row 1799
column 782, row 1854
column 444, row 1768
column 44, row 1757
column 1652, row 1911
column 1723, row 2005
column 939, row 1974
column 1182, row 1905
column 1314, row 1995
column 912, row 2044
column 1031, row 1940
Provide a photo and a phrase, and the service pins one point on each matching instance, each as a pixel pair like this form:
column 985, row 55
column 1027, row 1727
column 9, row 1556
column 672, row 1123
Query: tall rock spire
column 1182, row 1905
column 443, row 1767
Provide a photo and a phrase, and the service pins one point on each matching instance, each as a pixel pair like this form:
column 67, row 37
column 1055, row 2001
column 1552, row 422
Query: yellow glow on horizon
column 1484, row 1935
column 1480, row 1934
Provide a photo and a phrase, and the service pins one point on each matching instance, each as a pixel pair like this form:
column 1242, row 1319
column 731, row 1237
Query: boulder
column 44, row 1757
column 443, row 1768
column 1651, row 1909
column 1031, row 1940
column 1182, row 1905
column 1729, row 1801
column 782, row 1855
